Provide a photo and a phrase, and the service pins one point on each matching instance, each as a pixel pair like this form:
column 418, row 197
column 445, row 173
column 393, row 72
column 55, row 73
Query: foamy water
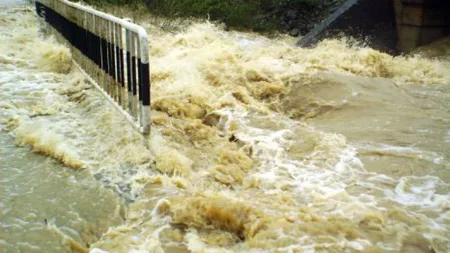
column 256, row 145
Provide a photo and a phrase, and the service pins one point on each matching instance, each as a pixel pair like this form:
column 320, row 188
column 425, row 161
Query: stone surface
column 294, row 32
column 301, row 17
column 371, row 22
column 392, row 26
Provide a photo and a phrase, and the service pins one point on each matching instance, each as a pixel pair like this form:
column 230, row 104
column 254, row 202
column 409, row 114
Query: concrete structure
column 420, row 22
column 392, row 26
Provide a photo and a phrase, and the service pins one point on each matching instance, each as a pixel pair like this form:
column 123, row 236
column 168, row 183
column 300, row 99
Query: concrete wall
column 392, row 26
column 420, row 22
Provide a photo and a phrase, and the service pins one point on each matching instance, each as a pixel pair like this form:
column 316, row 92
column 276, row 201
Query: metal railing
column 111, row 51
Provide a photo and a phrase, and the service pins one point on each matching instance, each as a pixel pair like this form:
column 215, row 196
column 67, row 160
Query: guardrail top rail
column 111, row 51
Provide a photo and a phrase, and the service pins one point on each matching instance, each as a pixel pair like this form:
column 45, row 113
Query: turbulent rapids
column 256, row 146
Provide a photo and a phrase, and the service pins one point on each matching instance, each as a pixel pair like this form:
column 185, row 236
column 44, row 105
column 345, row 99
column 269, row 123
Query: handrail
column 111, row 51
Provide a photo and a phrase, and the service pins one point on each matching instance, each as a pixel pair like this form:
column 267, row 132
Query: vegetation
column 256, row 15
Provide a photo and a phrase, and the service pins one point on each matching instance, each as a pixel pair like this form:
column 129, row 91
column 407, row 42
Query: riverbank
column 293, row 17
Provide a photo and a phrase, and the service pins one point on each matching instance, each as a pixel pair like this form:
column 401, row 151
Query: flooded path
column 45, row 206
column 256, row 146
column 48, row 208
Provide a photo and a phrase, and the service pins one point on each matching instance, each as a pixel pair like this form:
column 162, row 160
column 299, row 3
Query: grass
column 255, row 15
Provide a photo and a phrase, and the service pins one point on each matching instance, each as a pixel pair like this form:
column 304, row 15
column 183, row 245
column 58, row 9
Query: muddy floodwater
column 256, row 146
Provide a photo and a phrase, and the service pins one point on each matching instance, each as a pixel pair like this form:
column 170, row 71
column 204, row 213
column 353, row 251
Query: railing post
column 128, row 70
column 145, row 84
column 122, row 68
column 133, row 75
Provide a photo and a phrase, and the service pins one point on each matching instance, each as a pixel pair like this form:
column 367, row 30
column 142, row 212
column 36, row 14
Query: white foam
column 420, row 191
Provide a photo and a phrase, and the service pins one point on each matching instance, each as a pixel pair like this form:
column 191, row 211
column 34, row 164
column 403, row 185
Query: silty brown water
column 258, row 146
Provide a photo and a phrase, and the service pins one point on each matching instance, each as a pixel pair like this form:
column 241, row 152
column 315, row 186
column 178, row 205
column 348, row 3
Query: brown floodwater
column 256, row 146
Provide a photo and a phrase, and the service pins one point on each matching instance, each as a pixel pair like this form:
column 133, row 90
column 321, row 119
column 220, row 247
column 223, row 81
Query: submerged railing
column 111, row 51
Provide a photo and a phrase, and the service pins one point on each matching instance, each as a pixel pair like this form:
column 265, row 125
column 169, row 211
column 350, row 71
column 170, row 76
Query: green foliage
column 118, row 2
column 115, row 2
column 257, row 15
